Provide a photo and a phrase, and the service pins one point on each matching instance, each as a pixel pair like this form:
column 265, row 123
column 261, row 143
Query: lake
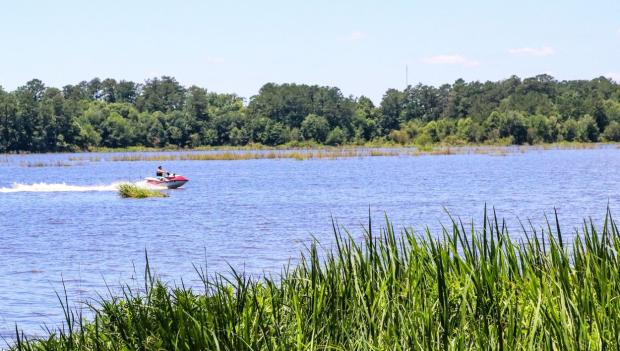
column 68, row 224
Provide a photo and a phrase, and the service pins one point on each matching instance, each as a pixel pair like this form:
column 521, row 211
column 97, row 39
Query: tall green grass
column 463, row 289
column 128, row 190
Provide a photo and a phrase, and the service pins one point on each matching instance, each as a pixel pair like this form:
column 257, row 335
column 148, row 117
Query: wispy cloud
column 527, row 51
column 454, row 59
column 353, row 36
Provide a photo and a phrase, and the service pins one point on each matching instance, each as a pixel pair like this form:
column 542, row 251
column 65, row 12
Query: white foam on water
column 144, row 184
column 63, row 187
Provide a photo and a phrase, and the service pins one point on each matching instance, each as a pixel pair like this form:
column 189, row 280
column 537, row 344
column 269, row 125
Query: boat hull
column 168, row 182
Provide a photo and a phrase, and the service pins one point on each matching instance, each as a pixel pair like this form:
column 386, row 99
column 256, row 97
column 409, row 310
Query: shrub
column 336, row 136
column 400, row 136
column 612, row 132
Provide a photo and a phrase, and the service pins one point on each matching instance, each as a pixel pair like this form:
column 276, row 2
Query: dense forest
column 162, row 113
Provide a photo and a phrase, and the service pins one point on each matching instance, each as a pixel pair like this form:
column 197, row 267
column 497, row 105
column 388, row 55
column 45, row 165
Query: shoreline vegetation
column 257, row 152
column 161, row 113
column 316, row 146
column 464, row 288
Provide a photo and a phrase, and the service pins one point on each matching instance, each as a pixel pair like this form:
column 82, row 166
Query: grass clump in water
column 128, row 190
column 464, row 289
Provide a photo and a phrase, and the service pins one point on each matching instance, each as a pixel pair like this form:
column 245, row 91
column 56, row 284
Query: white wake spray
column 63, row 187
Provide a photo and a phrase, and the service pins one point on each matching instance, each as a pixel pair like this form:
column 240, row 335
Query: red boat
column 171, row 182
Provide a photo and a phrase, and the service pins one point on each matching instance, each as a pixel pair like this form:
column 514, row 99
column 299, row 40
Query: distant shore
column 294, row 152
column 429, row 149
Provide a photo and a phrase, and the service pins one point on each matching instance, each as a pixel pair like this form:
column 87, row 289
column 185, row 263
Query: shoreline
column 300, row 154
column 260, row 152
column 313, row 147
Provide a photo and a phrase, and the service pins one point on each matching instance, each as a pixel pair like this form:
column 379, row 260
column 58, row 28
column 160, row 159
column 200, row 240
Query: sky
column 363, row 47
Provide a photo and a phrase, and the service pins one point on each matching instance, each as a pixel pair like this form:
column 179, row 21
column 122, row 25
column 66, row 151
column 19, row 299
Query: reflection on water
column 255, row 214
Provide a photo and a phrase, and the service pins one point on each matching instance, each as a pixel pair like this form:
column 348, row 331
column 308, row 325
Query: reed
column 308, row 151
column 142, row 157
column 133, row 191
column 460, row 289
column 239, row 156
column 48, row 164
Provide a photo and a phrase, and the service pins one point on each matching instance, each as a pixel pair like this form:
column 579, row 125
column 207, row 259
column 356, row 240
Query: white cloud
column 454, row 59
column 353, row 36
column 542, row 51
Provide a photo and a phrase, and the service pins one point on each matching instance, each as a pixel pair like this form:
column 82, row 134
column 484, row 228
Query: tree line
column 161, row 112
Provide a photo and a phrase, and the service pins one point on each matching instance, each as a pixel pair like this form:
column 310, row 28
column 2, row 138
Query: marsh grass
column 308, row 151
column 48, row 164
column 245, row 155
column 327, row 152
column 463, row 289
column 133, row 191
column 82, row 159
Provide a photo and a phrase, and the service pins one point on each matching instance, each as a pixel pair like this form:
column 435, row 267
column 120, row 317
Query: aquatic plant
column 237, row 156
column 461, row 289
column 128, row 190
column 48, row 164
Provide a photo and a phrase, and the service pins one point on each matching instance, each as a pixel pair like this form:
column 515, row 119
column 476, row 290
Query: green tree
column 163, row 94
column 506, row 125
column 9, row 137
column 611, row 109
column 197, row 103
column 336, row 136
column 162, row 112
column 587, row 129
column 468, row 131
column 365, row 121
column 612, row 131
column 392, row 106
column 569, row 130
column 289, row 104
column 109, row 90
column 422, row 102
column 223, row 124
column 126, row 91
column 29, row 127
column 94, row 89
column 88, row 137
column 315, row 128
column 275, row 134
column 156, row 132
column 116, row 131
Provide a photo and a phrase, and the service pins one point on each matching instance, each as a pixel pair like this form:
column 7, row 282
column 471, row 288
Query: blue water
column 255, row 215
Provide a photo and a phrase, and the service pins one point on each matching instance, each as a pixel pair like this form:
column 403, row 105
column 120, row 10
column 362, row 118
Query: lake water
column 68, row 223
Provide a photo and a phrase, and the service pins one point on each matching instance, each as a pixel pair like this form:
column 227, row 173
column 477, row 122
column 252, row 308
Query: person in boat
column 161, row 172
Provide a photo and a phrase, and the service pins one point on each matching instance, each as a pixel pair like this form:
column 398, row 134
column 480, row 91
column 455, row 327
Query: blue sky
column 360, row 46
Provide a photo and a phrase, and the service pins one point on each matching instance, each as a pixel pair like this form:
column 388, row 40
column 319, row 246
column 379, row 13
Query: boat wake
column 63, row 187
